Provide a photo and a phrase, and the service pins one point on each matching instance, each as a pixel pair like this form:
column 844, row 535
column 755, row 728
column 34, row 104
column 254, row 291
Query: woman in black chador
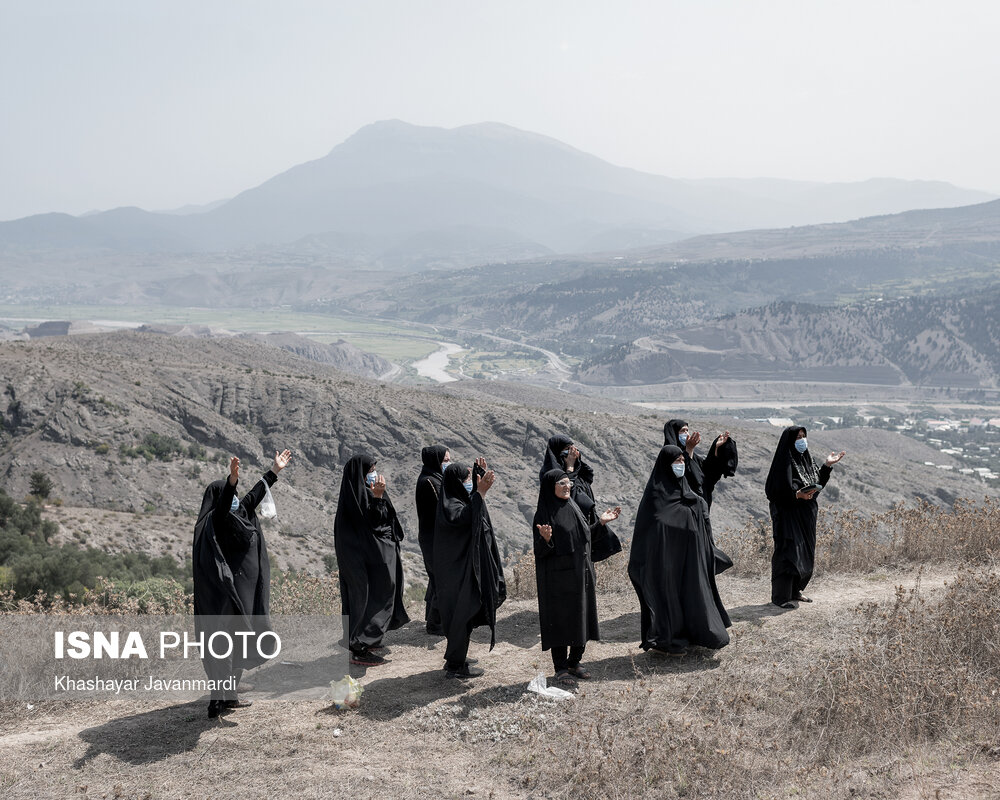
column 467, row 567
column 704, row 472
column 792, row 484
column 567, row 599
column 672, row 563
column 436, row 459
column 232, row 576
column 366, row 537
column 562, row 454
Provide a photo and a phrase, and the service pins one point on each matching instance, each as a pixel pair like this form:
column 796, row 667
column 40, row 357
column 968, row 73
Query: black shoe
column 366, row 658
column 465, row 671
column 229, row 704
column 214, row 708
column 468, row 660
column 786, row 604
column 801, row 598
column 435, row 630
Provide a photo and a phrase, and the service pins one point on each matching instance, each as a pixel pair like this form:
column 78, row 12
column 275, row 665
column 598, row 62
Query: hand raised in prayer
column 610, row 515
column 572, row 457
column 833, row 458
column 485, row 481
column 281, row 461
column 234, row 470
column 378, row 488
column 721, row 441
column 481, row 463
column 545, row 531
column 692, row 442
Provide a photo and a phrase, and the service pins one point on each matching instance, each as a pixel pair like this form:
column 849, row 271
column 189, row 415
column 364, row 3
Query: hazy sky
column 159, row 103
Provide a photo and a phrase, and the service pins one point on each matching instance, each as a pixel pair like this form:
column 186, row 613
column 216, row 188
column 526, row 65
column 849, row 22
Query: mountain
column 131, row 426
column 423, row 196
column 919, row 341
column 566, row 303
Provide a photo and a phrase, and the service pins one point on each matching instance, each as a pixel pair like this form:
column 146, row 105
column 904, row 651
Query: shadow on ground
column 153, row 735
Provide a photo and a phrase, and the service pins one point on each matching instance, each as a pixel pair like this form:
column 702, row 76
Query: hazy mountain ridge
column 947, row 341
column 395, row 181
column 74, row 407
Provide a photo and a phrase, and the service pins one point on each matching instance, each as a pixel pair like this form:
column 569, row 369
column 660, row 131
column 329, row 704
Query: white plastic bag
column 346, row 693
column 538, row 686
column 266, row 508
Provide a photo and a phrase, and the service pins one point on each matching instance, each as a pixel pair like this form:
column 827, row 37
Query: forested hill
column 939, row 341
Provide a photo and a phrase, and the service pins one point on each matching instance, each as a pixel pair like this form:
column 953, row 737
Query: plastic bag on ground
column 346, row 693
column 266, row 508
column 538, row 686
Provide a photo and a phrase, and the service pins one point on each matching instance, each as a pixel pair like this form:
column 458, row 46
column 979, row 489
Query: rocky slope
column 82, row 409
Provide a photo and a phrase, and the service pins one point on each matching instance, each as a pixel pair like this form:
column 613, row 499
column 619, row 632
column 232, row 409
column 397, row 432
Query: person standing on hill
column 366, row 537
column 467, row 566
column 671, row 565
column 567, row 595
column 232, row 575
column 436, row 459
column 561, row 453
column 792, row 484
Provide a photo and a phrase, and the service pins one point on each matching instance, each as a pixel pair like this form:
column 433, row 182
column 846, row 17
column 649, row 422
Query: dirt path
column 417, row 734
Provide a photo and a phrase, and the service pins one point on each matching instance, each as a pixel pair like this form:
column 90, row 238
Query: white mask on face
column 678, row 470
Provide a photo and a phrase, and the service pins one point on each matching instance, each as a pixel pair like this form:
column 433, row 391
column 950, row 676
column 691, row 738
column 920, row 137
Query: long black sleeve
column 252, row 498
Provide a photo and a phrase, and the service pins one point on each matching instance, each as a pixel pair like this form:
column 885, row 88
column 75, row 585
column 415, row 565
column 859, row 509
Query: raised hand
column 545, row 531
column 281, row 461
column 378, row 488
column 692, row 442
column 481, row 463
column 572, row 456
column 722, row 440
column 234, row 470
column 486, row 481
column 833, row 458
column 610, row 515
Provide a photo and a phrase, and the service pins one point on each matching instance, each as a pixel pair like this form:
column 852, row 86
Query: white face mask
column 371, row 477
column 235, row 504
column 445, row 465
column 468, row 485
column 682, row 438
column 801, row 445
column 678, row 470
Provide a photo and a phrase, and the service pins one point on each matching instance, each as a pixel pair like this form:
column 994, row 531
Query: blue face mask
column 564, row 453
column 445, row 465
column 801, row 445
column 371, row 477
column 678, row 470
column 682, row 438
column 235, row 504
column 468, row 485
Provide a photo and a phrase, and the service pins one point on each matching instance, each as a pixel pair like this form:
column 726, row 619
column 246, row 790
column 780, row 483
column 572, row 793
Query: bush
column 40, row 484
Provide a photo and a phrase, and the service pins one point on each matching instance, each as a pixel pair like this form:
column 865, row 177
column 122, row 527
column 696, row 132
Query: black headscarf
column 553, row 459
column 570, row 529
column 356, row 499
column 790, row 469
column 432, row 458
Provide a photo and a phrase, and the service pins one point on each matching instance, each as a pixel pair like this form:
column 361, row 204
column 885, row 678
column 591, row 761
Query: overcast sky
column 160, row 103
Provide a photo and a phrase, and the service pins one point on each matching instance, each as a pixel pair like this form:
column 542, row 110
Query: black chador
column 793, row 520
column 467, row 566
column 582, row 492
column 232, row 577
column 704, row 472
column 366, row 536
column 567, row 599
column 671, row 564
column 427, row 495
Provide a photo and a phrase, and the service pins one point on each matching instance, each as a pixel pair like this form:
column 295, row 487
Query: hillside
column 402, row 196
column 82, row 410
column 929, row 341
